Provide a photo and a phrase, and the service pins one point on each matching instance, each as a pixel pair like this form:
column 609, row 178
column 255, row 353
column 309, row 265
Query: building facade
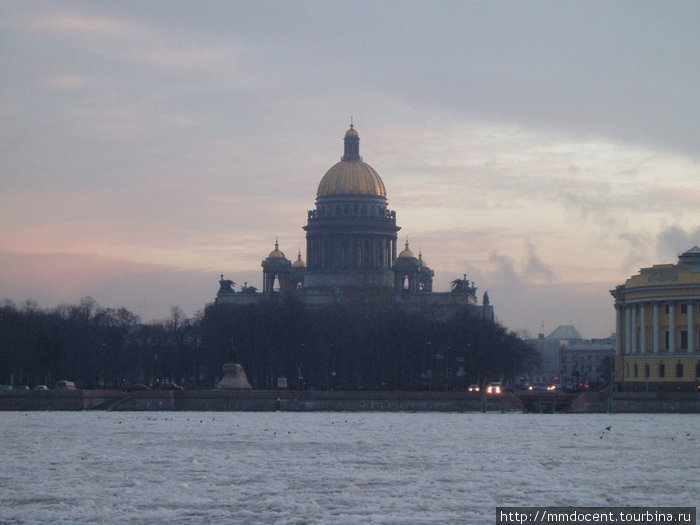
column 351, row 247
column 658, row 326
column 586, row 363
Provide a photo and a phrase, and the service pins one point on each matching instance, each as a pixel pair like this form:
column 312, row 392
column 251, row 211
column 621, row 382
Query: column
column 655, row 329
column 671, row 326
column 618, row 330
column 628, row 330
column 691, row 326
column 643, row 328
column 635, row 341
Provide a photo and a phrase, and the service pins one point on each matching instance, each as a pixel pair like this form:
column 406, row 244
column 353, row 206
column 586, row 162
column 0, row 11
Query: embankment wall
column 286, row 400
column 254, row 400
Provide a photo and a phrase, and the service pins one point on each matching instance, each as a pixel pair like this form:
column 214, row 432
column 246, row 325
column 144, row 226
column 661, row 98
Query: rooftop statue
column 226, row 286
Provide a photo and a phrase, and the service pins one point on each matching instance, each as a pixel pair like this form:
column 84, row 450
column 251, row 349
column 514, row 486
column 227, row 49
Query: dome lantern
column 352, row 145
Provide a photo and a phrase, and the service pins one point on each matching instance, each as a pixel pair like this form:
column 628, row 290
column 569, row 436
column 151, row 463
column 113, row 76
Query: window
column 684, row 339
column 667, row 308
column 666, row 339
column 679, row 370
column 647, row 372
column 684, row 308
column 697, row 369
column 636, row 370
column 662, row 370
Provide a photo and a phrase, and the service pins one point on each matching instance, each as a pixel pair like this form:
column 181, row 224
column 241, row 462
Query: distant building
column 586, row 363
column 549, row 348
column 351, row 247
column 658, row 326
column 569, row 360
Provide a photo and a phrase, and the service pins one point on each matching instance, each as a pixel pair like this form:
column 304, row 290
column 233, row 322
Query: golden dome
column 406, row 253
column 276, row 253
column 299, row 263
column 351, row 177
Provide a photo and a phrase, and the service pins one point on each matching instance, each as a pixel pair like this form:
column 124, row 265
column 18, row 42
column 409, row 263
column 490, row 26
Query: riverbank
column 344, row 401
column 254, row 400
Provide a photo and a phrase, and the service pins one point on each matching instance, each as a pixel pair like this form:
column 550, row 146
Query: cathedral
column 351, row 251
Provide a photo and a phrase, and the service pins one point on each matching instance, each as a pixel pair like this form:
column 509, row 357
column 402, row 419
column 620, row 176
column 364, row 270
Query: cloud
column 534, row 268
column 505, row 272
column 674, row 240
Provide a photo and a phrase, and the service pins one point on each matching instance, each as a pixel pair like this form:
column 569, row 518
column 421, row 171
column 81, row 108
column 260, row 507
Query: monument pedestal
column 234, row 377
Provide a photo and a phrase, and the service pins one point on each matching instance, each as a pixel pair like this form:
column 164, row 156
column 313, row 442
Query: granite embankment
column 288, row 400
column 254, row 400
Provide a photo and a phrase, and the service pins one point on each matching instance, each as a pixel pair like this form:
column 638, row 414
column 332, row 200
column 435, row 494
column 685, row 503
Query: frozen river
column 335, row 468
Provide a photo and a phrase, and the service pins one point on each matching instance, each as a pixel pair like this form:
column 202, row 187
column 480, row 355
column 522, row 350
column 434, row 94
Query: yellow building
column 658, row 326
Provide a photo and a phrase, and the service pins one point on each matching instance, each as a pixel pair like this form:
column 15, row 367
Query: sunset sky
column 546, row 149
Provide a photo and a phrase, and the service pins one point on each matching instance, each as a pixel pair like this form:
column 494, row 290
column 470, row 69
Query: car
column 5, row 387
column 64, row 384
column 473, row 388
column 136, row 387
column 41, row 387
column 494, row 388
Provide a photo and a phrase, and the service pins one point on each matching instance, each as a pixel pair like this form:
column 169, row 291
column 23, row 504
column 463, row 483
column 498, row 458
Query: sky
column 547, row 149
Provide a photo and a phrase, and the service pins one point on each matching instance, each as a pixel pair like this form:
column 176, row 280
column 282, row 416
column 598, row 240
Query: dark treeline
column 346, row 346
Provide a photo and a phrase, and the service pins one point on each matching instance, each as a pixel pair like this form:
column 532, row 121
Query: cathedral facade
column 351, row 248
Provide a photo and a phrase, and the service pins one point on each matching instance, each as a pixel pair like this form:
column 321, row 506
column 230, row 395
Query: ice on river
column 339, row 468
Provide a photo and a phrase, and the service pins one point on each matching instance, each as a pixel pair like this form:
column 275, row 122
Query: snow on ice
column 336, row 468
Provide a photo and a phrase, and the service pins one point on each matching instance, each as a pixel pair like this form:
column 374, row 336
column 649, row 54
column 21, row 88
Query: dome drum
column 371, row 208
column 348, row 252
